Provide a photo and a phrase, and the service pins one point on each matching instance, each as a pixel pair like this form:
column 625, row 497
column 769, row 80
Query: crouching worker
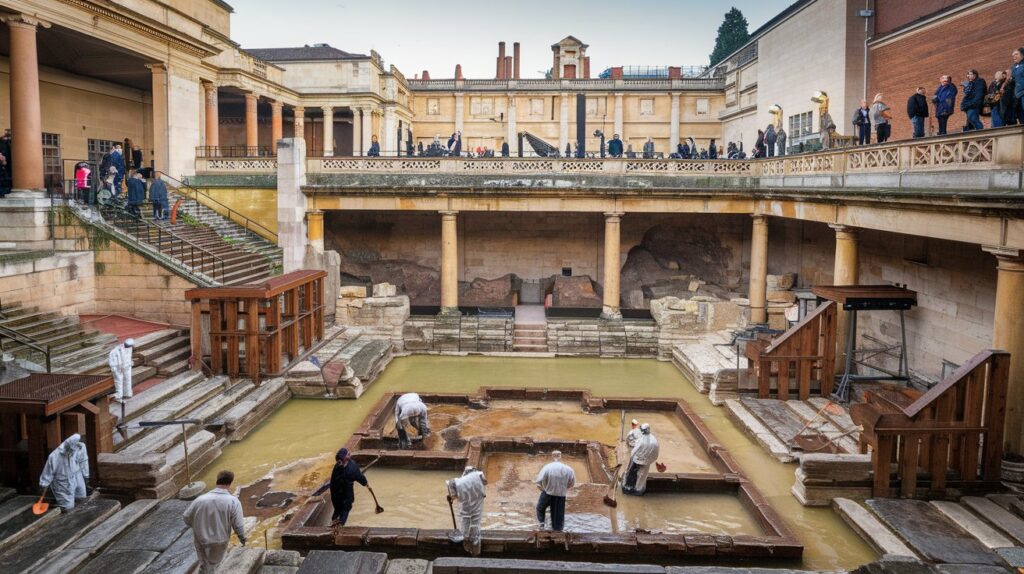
column 66, row 472
column 410, row 410
column 645, row 453
column 470, row 491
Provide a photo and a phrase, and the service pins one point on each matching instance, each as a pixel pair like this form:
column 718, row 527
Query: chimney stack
column 586, row 67
column 458, row 71
column 501, row 61
column 508, row 67
column 675, row 72
column 515, row 60
column 426, row 75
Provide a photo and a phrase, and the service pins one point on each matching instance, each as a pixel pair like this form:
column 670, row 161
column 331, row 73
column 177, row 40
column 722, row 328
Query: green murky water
column 314, row 429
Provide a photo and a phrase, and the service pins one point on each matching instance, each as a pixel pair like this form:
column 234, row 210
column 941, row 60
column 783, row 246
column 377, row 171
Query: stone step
column 158, row 393
column 85, row 548
column 175, row 368
column 140, row 374
column 56, row 535
column 179, row 558
column 150, row 340
column 1003, row 519
column 242, row 560
column 254, row 408
column 931, row 534
column 164, row 347
column 338, row 562
column 870, row 528
column 175, row 407
column 973, row 524
column 156, row 532
column 15, row 505
column 756, row 429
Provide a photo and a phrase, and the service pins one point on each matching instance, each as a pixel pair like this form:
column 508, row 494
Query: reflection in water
column 314, row 429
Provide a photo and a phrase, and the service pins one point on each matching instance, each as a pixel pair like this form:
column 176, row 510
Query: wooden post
column 196, row 333
column 231, row 334
column 216, row 340
column 252, row 339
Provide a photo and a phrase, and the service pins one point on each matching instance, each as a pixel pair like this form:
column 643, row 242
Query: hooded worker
column 410, row 410
column 66, row 472
column 120, row 361
column 634, row 433
column 343, row 478
column 645, row 453
column 470, row 491
column 554, row 482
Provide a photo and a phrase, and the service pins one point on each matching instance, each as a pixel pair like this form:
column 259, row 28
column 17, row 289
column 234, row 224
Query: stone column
column 389, row 142
column 449, row 263
column 161, row 117
column 315, row 229
column 513, row 135
column 299, row 122
column 618, row 116
column 367, row 130
column 612, row 265
column 26, row 107
column 673, row 131
column 846, row 272
column 1008, row 335
column 356, row 137
column 291, row 202
column 212, row 115
column 328, row 130
column 252, row 133
column 276, row 127
column 759, row 270
column 460, row 110
column 563, row 123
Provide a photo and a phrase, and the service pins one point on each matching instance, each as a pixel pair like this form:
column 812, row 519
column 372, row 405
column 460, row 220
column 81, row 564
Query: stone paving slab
column 870, row 529
column 1013, row 556
column 242, row 560
column 337, row 562
column 56, row 535
column 275, row 569
column 970, row 569
column 973, row 524
column 158, row 531
column 121, row 562
column 179, row 558
column 79, row 552
column 929, row 532
column 453, row 565
column 729, row 570
column 408, row 566
column 755, row 428
column 23, row 524
column 14, row 506
column 775, row 415
column 1003, row 519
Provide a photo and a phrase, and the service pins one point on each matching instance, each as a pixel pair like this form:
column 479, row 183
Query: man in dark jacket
column 945, row 102
column 974, row 99
column 158, row 197
column 374, row 150
column 117, row 161
column 615, row 146
column 1017, row 75
column 769, row 139
column 136, row 193
column 862, row 122
column 343, row 478
column 917, row 111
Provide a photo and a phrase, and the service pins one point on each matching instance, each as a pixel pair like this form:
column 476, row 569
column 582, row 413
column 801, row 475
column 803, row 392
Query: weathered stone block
column 352, row 291
column 384, row 290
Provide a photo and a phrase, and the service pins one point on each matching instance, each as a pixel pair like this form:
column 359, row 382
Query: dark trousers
column 1020, row 111
column 942, row 124
column 863, row 134
column 882, row 132
column 771, row 149
column 974, row 120
column 133, row 208
column 158, row 210
column 557, row 505
column 918, row 123
column 341, row 509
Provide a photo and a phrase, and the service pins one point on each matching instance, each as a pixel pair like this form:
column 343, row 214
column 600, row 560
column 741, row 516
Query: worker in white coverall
column 410, row 410
column 645, row 453
column 66, row 472
column 470, row 491
column 634, row 433
column 120, row 361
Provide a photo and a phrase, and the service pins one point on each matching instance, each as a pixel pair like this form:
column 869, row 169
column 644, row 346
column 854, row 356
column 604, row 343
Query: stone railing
column 597, row 84
column 524, row 166
column 236, row 165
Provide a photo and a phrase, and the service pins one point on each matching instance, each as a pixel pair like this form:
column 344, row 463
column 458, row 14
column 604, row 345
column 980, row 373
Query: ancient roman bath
column 291, row 454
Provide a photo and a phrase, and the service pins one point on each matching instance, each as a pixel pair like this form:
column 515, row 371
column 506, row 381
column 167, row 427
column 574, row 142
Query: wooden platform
column 775, row 424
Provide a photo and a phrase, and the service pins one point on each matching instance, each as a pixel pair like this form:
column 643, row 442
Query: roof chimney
column 675, row 72
column 515, row 60
column 458, row 71
column 508, row 67
column 501, row 61
column 426, row 75
column 586, row 67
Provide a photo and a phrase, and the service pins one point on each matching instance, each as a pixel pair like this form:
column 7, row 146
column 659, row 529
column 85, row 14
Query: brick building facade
column 913, row 47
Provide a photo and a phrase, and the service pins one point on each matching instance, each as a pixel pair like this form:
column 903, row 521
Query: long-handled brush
column 609, row 497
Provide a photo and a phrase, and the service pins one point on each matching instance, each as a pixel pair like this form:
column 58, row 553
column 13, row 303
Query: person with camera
column 994, row 98
column 974, row 100
column 945, row 102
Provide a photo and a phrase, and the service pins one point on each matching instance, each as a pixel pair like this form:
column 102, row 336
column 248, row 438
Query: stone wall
column 681, row 320
column 458, row 334
column 600, row 337
column 379, row 315
column 54, row 282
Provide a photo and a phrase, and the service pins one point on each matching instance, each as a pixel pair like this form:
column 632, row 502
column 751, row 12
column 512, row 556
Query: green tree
column 732, row 34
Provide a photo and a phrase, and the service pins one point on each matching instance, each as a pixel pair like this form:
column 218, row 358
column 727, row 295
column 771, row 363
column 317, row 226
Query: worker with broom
column 410, row 410
column 644, row 454
column 66, row 472
column 470, row 491
column 343, row 478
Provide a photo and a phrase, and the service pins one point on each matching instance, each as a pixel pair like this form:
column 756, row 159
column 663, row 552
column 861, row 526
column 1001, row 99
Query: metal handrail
column 119, row 218
column 208, row 198
column 27, row 341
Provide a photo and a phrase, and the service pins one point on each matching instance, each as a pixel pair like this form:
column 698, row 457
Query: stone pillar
column 252, row 126
column 161, row 117
column 291, row 202
column 26, row 107
column 612, row 265
column 356, row 137
column 328, row 130
column 459, row 111
column 299, row 129
column 276, row 127
column 449, row 263
column 563, row 123
column 618, row 116
column 315, row 229
column 513, row 135
column 367, row 130
column 389, row 142
column 845, row 273
column 673, row 131
column 759, row 270
column 1008, row 335
column 212, row 115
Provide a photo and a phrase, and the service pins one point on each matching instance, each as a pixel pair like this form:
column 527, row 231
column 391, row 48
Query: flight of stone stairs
column 74, row 347
column 980, row 534
column 530, row 338
column 228, row 229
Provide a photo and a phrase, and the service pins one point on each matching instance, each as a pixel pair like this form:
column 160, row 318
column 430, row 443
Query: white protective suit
column 645, row 453
column 120, row 361
column 410, row 410
column 632, row 436
column 470, row 490
column 66, row 470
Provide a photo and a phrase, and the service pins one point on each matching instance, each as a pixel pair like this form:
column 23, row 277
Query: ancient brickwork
column 54, row 282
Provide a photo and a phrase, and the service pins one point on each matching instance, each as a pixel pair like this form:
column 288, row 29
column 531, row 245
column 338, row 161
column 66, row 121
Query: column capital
column 327, row 109
column 299, row 110
column 208, row 85
column 1009, row 258
column 24, row 21
column 157, row 68
column 613, row 215
column 845, row 230
column 250, row 96
column 759, row 218
column 448, row 214
column 276, row 105
column 675, row 96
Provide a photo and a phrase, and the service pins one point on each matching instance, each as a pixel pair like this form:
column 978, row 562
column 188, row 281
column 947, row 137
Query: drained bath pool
column 294, row 451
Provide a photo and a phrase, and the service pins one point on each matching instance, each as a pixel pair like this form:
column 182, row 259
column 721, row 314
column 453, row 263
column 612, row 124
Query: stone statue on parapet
column 827, row 126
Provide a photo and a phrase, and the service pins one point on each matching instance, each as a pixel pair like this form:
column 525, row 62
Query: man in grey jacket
column 212, row 517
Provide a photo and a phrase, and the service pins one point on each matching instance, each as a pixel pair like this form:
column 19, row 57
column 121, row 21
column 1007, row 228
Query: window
column 536, row 106
column 647, row 107
column 433, row 107
column 703, row 106
column 96, row 150
column 801, row 124
column 481, row 106
column 51, row 157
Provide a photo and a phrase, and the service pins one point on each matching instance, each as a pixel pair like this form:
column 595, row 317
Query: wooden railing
column 802, row 355
column 956, row 426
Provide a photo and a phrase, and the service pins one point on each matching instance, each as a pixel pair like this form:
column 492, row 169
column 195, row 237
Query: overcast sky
column 434, row 35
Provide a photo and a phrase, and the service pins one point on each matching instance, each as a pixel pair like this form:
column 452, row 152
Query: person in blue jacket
column 1017, row 72
column 374, row 150
column 974, row 98
column 945, row 102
